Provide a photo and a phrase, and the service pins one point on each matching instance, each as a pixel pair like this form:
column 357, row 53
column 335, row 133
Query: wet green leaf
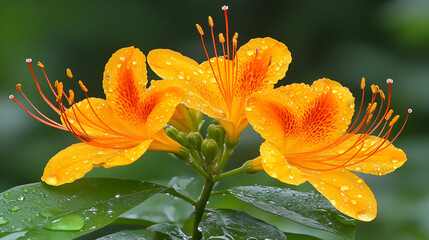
column 167, row 231
column 141, row 234
column 233, row 224
column 307, row 208
column 37, row 210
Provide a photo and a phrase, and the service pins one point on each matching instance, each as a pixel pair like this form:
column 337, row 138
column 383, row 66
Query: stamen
column 83, row 86
column 362, row 83
column 40, row 65
column 389, row 81
column 69, row 73
column 394, row 120
column 374, row 89
column 382, row 95
column 221, row 38
column 18, row 87
column 60, row 91
column 389, row 114
column 224, row 7
column 410, row 110
column 211, row 21
column 71, row 97
column 11, row 97
column 200, row 30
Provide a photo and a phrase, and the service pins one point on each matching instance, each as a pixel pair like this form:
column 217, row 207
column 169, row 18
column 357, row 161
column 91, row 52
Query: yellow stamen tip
column 221, row 38
column 375, row 89
column 362, row 83
column 373, row 107
column 235, row 36
column 71, row 97
column 394, row 120
column 40, row 65
column 389, row 114
column 211, row 21
column 83, row 86
column 369, row 118
column 18, row 87
column 382, row 95
column 200, row 30
column 69, row 73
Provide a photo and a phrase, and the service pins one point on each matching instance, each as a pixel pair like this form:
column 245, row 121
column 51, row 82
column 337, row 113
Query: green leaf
column 296, row 236
column 307, row 208
column 233, row 224
column 162, row 208
column 141, row 234
column 70, row 210
column 167, row 231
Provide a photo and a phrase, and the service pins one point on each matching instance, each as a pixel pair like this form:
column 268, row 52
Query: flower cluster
column 310, row 133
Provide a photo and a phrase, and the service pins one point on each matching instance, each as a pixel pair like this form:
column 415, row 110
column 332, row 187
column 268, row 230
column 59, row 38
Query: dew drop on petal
column 364, row 216
column 344, row 188
column 51, row 180
column 333, row 202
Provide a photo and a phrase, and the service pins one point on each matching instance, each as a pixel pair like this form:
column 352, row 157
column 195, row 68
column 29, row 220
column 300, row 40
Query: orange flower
column 221, row 86
column 308, row 139
column 115, row 131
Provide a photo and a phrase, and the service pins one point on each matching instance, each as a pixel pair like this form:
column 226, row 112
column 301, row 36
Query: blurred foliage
column 342, row 40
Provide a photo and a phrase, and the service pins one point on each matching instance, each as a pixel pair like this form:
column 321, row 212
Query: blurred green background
column 342, row 40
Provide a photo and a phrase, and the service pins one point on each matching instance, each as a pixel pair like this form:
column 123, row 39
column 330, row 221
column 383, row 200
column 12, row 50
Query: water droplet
column 20, row 198
column 354, row 202
column 15, row 208
column 333, row 202
column 250, row 52
column 249, row 108
column 25, row 190
column 117, row 195
column 344, row 188
column 67, row 223
column 51, row 180
column 46, row 214
column 365, row 216
column 168, row 63
column 3, row 221
column 360, row 180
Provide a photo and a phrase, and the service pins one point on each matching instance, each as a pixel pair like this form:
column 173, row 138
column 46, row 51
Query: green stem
column 198, row 168
column 229, row 174
column 200, row 207
column 179, row 195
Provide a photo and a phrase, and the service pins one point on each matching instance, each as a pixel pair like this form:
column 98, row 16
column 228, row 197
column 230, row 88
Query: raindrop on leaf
column 67, row 223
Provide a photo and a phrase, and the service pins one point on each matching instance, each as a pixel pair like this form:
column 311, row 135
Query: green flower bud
column 217, row 133
column 195, row 140
column 183, row 154
column 171, row 132
column 215, row 121
column 182, row 139
column 209, row 150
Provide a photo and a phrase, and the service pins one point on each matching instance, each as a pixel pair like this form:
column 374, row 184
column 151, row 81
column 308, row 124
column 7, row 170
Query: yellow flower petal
column 202, row 93
column 92, row 116
column 380, row 163
column 253, row 75
column 347, row 192
column 299, row 118
column 75, row 161
column 124, row 84
column 277, row 166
